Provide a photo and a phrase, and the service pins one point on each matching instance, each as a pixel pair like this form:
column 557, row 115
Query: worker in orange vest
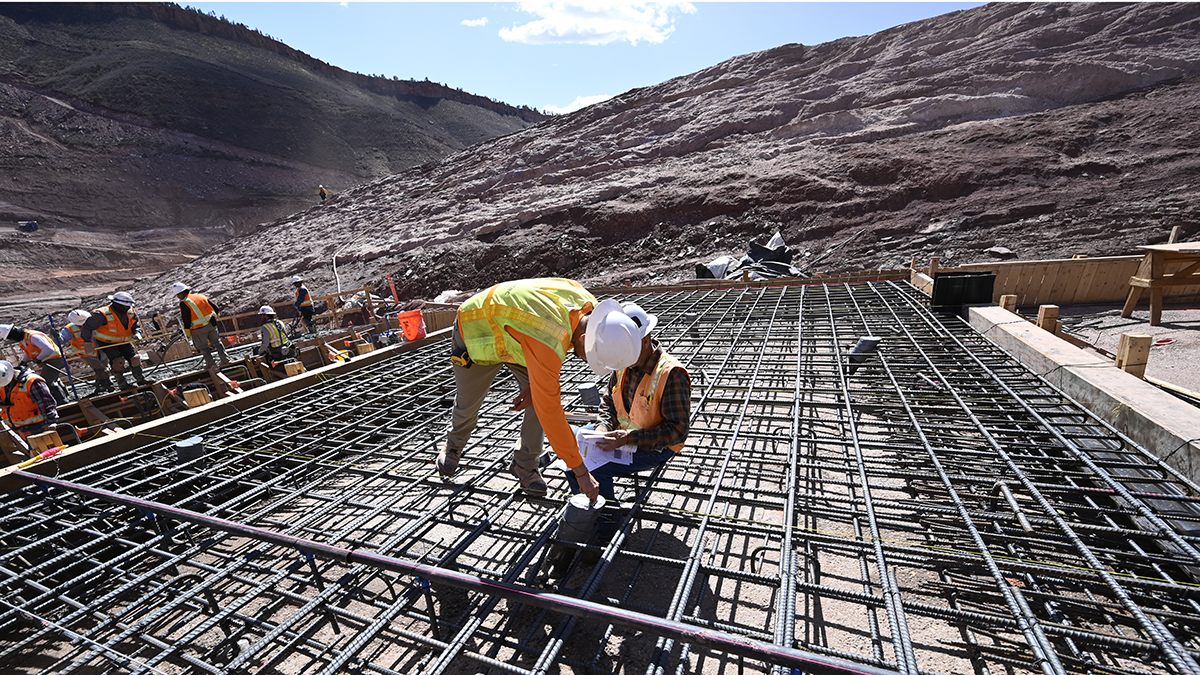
column 39, row 348
column 113, row 329
column 304, row 304
column 26, row 403
column 199, row 318
column 71, row 339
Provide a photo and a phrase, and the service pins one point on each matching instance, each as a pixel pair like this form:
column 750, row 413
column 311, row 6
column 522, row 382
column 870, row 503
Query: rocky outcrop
column 1046, row 129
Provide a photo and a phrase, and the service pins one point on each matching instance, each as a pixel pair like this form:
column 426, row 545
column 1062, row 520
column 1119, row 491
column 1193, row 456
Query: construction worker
column 198, row 316
column 26, row 404
column 303, row 304
column 322, row 193
column 112, row 329
column 275, row 345
column 71, row 338
column 40, row 349
column 530, row 326
column 648, row 406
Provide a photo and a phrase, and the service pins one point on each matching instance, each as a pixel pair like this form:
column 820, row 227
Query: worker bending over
column 530, row 326
column 112, row 329
column 648, row 406
column 71, row 338
column 304, row 304
column 274, row 344
column 199, row 320
column 26, row 403
column 40, row 349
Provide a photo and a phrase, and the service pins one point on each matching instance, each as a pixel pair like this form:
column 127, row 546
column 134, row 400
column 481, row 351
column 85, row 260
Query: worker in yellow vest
column 40, row 349
column 198, row 316
column 530, row 326
column 71, row 339
column 113, row 330
column 26, row 404
column 274, row 344
column 647, row 407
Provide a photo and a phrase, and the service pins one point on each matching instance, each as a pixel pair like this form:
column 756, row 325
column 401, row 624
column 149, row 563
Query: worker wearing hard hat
column 71, row 338
column 39, row 348
column 112, row 329
column 26, row 404
column 530, row 326
column 274, row 344
column 303, row 304
column 322, row 193
column 199, row 316
column 646, row 406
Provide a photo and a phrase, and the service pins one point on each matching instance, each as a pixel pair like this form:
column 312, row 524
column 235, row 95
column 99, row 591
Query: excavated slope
column 1049, row 129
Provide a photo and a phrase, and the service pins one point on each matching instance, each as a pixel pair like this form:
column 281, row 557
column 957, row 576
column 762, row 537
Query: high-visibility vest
column 202, row 310
column 113, row 331
column 539, row 308
column 307, row 301
column 276, row 338
column 32, row 350
column 24, row 410
column 646, row 411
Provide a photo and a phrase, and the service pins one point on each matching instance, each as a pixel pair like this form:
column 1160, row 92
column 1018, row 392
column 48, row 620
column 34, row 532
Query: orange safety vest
column 32, row 351
column 24, row 410
column 202, row 310
column 647, row 400
column 76, row 337
column 307, row 297
column 113, row 331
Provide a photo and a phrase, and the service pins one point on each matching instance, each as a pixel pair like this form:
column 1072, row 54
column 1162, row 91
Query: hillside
column 156, row 128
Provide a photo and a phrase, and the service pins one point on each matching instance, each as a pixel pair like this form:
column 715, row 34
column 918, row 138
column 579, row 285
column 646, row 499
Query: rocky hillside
column 1048, row 129
column 153, row 128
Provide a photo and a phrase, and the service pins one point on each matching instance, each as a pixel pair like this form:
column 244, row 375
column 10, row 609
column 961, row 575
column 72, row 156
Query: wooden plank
column 1047, row 317
column 1083, row 288
column 1133, row 353
column 1175, row 232
column 1045, row 288
column 39, row 443
column 1009, row 302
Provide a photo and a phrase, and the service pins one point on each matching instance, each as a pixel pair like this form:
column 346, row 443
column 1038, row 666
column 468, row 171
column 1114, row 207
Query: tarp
column 762, row 261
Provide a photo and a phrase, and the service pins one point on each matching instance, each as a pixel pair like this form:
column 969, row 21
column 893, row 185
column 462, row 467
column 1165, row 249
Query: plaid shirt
column 675, row 404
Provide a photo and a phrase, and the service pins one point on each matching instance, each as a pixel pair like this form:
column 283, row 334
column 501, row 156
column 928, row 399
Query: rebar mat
column 935, row 508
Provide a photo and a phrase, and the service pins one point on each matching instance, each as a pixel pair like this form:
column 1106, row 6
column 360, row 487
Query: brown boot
column 447, row 461
column 531, row 481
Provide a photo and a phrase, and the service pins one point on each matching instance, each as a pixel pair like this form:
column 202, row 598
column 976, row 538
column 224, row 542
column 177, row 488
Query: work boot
column 447, row 461
column 59, row 393
column 104, row 385
column 531, row 481
column 122, row 383
column 139, row 376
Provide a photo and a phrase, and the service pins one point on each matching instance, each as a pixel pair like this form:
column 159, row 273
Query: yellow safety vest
column 539, row 308
column 276, row 338
column 646, row 411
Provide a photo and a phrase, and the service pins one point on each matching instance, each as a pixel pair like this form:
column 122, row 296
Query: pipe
column 775, row 654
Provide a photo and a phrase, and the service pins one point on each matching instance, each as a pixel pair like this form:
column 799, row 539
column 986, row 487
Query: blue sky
column 556, row 56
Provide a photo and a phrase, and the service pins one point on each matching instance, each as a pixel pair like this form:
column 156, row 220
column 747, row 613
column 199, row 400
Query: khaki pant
column 472, row 385
column 204, row 339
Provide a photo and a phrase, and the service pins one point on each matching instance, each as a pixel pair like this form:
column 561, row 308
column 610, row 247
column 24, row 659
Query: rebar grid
column 936, row 509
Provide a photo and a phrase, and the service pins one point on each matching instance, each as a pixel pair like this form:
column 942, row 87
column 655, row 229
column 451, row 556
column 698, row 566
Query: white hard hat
column 123, row 298
column 178, row 287
column 645, row 322
column 266, row 309
column 78, row 316
column 612, row 340
column 6, row 373
column 5, row 329
column 296, row 280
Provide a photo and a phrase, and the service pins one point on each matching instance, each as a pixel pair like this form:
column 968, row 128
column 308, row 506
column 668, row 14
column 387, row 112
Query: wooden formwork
column 1073, row 281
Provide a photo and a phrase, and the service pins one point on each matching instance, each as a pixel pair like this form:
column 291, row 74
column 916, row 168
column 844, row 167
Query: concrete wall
column 1159, row 422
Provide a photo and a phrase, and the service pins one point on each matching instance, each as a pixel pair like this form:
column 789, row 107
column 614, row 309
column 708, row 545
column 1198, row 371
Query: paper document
column 594, row 457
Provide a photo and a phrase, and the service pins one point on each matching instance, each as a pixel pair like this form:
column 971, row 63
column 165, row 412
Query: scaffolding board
column 934, row 509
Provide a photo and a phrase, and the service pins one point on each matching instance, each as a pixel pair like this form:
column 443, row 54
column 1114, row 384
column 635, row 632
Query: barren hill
column 1050, row 129
column 153, row 128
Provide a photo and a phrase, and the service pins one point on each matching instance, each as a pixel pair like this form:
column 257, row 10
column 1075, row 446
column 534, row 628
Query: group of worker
column 530, row 326
column 104, row 340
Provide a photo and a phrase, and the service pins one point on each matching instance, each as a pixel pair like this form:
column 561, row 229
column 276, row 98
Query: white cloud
column 344, row 4
column 579, row 102
column 597, row 23
column 475, row 23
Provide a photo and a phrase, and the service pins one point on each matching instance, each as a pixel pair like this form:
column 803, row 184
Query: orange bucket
column 412, row 323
